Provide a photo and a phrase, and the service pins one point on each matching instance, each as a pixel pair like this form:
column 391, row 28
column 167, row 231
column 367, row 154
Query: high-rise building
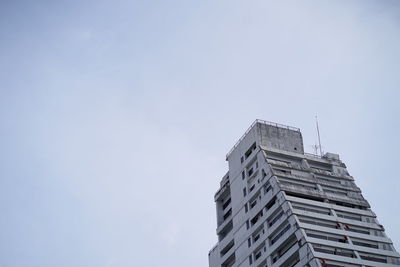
column 279, row 206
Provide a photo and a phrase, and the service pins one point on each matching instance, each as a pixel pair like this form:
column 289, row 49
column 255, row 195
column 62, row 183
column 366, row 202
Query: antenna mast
column 319, row 138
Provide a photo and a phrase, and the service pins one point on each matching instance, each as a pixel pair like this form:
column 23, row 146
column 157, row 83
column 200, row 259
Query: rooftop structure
column 279, row 206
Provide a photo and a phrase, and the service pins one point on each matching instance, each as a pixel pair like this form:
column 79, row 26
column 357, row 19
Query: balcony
column 302, row 190
column 222, row 190
column 322, row 195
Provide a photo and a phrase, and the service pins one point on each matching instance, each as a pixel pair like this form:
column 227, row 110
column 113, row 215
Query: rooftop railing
column 313, row 155
column 262, row 122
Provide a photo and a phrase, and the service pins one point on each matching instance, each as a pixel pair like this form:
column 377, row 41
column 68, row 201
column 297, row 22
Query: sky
column 115, row 116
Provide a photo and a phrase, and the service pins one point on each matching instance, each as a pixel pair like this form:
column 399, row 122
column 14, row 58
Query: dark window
column 252, row 187
column 267, row 188
column 250, row 150
column 271, row 203
column 275, row 219
column 280, row 234
column 229, row 212
column 250, row 171
column 226, row 204
column 263, row 173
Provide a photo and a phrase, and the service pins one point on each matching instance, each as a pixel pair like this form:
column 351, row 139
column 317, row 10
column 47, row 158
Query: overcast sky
column 115, row 116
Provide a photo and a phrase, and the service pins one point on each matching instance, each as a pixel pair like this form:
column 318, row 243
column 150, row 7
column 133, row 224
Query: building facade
column 279, row 206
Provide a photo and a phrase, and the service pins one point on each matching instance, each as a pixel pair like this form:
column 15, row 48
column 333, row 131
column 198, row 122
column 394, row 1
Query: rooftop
column 261, row 122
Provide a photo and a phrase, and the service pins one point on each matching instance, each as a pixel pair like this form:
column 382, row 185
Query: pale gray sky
column 115, row 116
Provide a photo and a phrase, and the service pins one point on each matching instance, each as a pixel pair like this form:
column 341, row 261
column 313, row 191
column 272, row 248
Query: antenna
column 319, row 137
column 315, row 148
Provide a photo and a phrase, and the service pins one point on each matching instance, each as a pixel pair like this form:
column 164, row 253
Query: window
column 257, row 255
column 357, row 229
column 225, row 231
column 319, row 222
column 373, row 257
column 363, row 244
column 256, row 218
column 267, row 188
column 250, row 171
column 227, row 214
column 244, row 192
column 263, row 174
column 252, row 187
column 310, row 208
column 226, row 204
column 282, row 170
column 227, row 248
column 270, row 204
column 275, row 219
column 250, row 150
column 281, row 233
column 326, row 236
column 349, row 216
column 335, row 251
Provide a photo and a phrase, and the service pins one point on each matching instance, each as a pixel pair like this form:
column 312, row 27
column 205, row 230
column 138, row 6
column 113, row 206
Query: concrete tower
column 279, row 206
